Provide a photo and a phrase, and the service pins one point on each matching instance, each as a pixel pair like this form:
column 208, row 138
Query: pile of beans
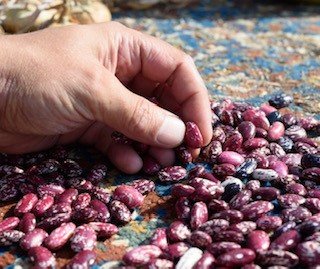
column 257, row 207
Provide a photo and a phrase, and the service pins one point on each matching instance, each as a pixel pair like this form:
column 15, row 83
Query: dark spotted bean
column 297, row 214
column 43, row 205
column 120, row 212
column 295, row 132
column 193, row 137
column 246, row 168
column 255, row 143
column 311, row 173
column 101, row 194
column 284, row 228
column 216, row 205
column 200, row 239
column 309, row 253
column 278, row 257
column 286, row 241
column 291, row 200
column 198, row 215
column 218, row 134
column 68, row 196
column 231, row 215
column 97, row 173
column 261, row 121
column 253, row 185
column 233, row 142
column 172, row 174
column 84, row 215
column 229, row 236
column 9, row 237
column 82, row 201
column 185, row 156
column 214, row 226
column 247, row 129
column 150, row 165
column 313, row 204
column 269, row 223
column 265, row 193
column 42, row 257
column 310, row 160
column 84, row 259
column 223, row 170
column 57, row 209
column 102, row 210
column 183, row 208
column 144, row 186
column 212, row 151
column 182, row 190
column 50, row 189
column 219, row 248
column 129, row 196
column 54, row 221
column 308, row 227
column 256, row 209
column 244, row 227
column 236, row 257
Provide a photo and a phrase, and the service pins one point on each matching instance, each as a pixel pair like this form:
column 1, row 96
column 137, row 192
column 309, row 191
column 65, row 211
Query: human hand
column 80, row 83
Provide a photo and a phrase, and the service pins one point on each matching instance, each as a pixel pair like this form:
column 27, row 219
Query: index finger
column 163, row 63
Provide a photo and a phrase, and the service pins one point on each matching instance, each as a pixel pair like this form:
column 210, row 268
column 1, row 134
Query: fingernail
column 171, row 132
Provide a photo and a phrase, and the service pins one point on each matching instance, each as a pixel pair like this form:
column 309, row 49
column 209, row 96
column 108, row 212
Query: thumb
column 136, row 117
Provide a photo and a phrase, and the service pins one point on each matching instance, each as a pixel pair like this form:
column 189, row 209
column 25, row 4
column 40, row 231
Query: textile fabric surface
column 245, row 51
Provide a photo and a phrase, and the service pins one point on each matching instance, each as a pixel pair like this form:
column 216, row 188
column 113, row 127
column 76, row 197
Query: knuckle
column 141, row 116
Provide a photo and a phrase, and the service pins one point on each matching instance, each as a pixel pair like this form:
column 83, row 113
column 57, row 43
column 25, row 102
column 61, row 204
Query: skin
column 80, row 83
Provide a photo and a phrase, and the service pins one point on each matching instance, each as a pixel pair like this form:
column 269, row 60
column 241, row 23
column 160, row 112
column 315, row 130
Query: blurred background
column 18, row 16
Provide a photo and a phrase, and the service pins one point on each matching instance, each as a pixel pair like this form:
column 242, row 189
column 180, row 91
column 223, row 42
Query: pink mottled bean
column 206, row 262
column 43, row 205
column 176, row 250
column 33, row 239
column 172, row 174
column 27, row 223
column 142, row 255
column 182, row 190
column 60, row 236
column 84, row 238
column 276, row 131
column 102, row 210
column 219, row 248
column 9, row 237
column 258, row 240
column 200, row 239
column 178, row 231
column 120, row 212
column 82, row 201
column 256, row 209
column 84, row 259
column 231, row 157
column 128, row 195
column 286, row 241
column 236, row 257
column 26, row 204
column 199, row 215
column 9, row 223
column 193, row 137
column 104, row 229
column 159, row 238
column 244, row 227
column 68, row 196
column 41, row 257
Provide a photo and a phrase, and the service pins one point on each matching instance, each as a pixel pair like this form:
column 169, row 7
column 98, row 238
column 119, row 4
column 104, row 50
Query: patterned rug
column 246, row 51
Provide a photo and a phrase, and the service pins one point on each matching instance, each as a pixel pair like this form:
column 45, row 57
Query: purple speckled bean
column 253, row 185
column 266, row 193
column 277, row 257
column 216, row 205
column 198, row 215
column 104, row 230
column 43, row 205
column 172, row 174
column 9, row 237
column 178, row 231
column 297, row 188
column 214, row 226
column 233, row 142
column 244, row 227
column 229, row 236
column 50, row 189
column 27, row 223
column 101, row 194
column 309, row 252
column 280, row 167
column 297, row 214
column 219, row 248
column 247, row 129
column 120, row 212
column 144, row 186
column 258, row 241
column 54, row 221
column 159, row 238
column 160, row 264
column 68, row 196
column 236, row 257
column 313, row 204
column 33, row 239
column 41, row 257
column 206, row 262
column 9, row 223
column 230, row 157
column 290, row 200
column 256, row 209
column 254, row 143
column 60, row 236
column 84, row 238
column 129, row 196
column 286, row 241
column 183, row 208
column 102, row 210
column 269, row 223
column 182, row 190
column 231, row 215
column 141, row 255
column 193, row 137
column 26, row 204
column 176, row 250
column 200, row 239
column 82, row 201
column 84, row 259
column 276, row 131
